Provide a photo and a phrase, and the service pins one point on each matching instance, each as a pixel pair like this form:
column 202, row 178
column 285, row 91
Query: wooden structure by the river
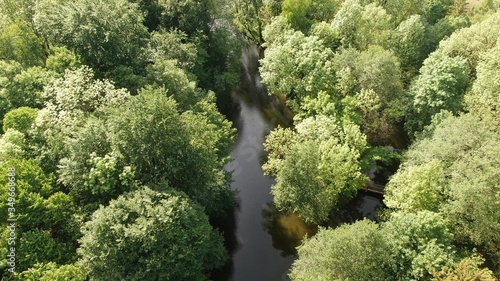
column 374, row 187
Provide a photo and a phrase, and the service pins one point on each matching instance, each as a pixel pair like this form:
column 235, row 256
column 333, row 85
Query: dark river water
column 260, row 239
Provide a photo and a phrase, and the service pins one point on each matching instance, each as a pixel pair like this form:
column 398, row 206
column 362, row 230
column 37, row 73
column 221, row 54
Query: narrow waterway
column 260, row 239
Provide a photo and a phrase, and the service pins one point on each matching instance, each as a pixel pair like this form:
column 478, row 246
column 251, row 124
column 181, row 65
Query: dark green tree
column 20, row 119
column 441, row 85
column 351, row 252
column 104, row 34
column 18, row 42
column 420, row 243
column 317, row 167
column 188, row 150
column 150, row 235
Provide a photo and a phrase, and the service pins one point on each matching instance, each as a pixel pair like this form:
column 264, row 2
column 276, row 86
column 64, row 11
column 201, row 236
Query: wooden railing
column 374, row 187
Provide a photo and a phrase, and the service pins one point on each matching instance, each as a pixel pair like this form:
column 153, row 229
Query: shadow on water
column 287, row 230
column 261, row 240
column 227, row 227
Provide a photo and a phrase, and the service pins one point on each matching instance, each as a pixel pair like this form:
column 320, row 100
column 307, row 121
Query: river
column 261, row 240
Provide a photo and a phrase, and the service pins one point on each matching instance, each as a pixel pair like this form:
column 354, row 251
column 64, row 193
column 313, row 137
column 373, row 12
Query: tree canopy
column 114, row 118
column 316, row 167
column 150, row 235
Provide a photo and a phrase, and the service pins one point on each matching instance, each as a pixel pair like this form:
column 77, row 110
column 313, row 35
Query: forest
column 115, row 138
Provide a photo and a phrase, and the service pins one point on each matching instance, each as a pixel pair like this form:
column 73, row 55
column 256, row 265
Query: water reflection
column 227, row 227
column 287, row 230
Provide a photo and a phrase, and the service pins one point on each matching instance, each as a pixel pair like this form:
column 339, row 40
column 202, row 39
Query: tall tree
column 362, row 25
column 416, row 188
column 484, row 98
column 470, row 42
column 420, row 243
column 351, row 252
column 18, row 42
column 467, row 148
column 298, row 66
column 441, row 85
column 188, row 150
column 317, row 169
column 69, row 101
column 106, row 34
column 249, row 19
column 150, row 235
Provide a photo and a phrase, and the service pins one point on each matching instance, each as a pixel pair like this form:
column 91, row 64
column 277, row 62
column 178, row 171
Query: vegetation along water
column 259, row 140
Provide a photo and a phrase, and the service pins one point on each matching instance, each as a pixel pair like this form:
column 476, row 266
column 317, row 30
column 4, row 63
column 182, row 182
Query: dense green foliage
column 150, row 235
column 110, row 118
column 98, row 99
column 317, row 166
column 320, row 258
column 107, row 156
column 463, row 183
column 422, row 74
column 20, row 119
column 407, row 247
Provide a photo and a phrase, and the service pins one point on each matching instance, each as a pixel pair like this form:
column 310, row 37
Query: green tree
column 152, row 117
column 317, row 169
column 277, row 31
column 371, row 81
column 69, row 101
column 38, row 246
column 483, row 9
column 484, row 98
column 93, row 171
column 468, row 149
column 373, row 27
column 12, row 145
column 408, row 41
column 303, row 14
column 356, row 251
column 299, row 66
column 297, row 13
column 469, row 43
column 374, row 69
column 467, row 269
column 174, row 81
column 173, row 45
column 62, row 59
column 22, row 87
column 150, row 235
column 441, row 85
column 41, row 204
column 189, row 151
column 360, row 26
column 190, row 16
column 104, row 34
column 326, row 32
column 53, row 272
column 47, row 224
column 249, row 19
column 442, row 29
column 420, row 243
column 431, row 11
column 416, row 188
column 18, row 42
column 20, row 119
